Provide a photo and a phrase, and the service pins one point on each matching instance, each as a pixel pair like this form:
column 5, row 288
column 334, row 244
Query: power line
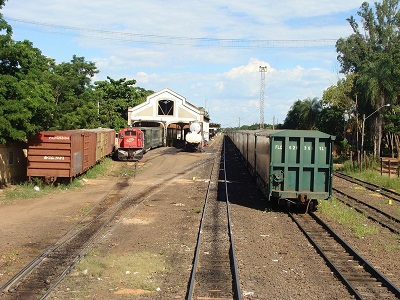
column 174, row 40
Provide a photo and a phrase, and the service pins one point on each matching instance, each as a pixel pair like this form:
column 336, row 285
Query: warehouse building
column 170, row 111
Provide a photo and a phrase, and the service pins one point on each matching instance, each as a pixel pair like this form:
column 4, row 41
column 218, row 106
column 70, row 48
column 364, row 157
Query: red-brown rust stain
column 132, row 292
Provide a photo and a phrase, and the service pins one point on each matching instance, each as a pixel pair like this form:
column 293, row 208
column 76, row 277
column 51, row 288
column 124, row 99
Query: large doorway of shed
column 176, row 135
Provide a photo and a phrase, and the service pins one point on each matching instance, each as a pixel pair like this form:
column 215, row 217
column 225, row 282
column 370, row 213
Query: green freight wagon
column 291, row 166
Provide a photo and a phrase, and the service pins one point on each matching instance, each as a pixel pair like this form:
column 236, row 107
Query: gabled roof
column 148, row 110
column 166, row 94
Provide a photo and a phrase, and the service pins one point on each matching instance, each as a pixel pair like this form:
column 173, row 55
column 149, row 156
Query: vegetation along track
column 370, row 186
column 361, row 278
column 39, row 277
column 382, row 208
column 215, row 274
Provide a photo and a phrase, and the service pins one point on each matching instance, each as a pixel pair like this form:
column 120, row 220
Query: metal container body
column 251, row 151
column 56, row 154
column 105, row 141
column 289, row 164
column 66, row 154
column 243, row 144
column 262, row 157
column 153, row 137
column 300, row 164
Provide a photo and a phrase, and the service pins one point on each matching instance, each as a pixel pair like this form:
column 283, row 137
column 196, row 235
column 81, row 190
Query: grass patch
column 127, row 170
column 344, row 215
column 395, row 246
column 371, row 175
column 8, row 259
column 376, row 178
column 99, row 169
column 197, row 210
column 25, row 191
column 133, row 271
column 38, row 189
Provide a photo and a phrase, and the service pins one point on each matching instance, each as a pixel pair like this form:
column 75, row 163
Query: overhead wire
column 141, row 38
column 176, row 40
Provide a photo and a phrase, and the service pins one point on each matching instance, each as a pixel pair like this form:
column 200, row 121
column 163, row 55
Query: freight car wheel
column 312, row 205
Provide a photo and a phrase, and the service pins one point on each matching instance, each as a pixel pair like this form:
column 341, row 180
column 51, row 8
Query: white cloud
column 137, row 38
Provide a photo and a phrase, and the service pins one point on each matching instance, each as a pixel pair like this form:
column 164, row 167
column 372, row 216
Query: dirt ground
column 148, row 253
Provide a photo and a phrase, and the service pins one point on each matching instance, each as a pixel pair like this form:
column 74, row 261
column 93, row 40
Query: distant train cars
column 67, row 154
column 291, row 166
column 133, row 142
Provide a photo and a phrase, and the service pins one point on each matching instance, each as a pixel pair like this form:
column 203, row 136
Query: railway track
column 375, row 208
column 361, row 278
column 214, row 273
column 373, row 187
column 371, row 212
column 37, row 279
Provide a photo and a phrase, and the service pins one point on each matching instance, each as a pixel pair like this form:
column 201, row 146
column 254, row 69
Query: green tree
column 115, row 96
column 331, row 120
column 38, row 94
column 340, row 110
column 371, row 54
column 303, row 114
column 25, row 96
column 75, row 102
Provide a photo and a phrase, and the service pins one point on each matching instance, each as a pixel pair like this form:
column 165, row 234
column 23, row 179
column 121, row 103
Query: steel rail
column 189, row 294
column 371, row 186
column 362, row 261
column 237, row 290
column 234, row 268
column 368, row 215
column 67, row 236
column 112, row 211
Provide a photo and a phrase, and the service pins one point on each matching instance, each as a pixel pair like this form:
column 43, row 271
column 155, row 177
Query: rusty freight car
column 67, row 154
column 105, row 141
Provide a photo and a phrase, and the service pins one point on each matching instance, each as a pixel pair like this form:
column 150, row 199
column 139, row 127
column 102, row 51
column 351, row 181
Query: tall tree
column 75, row 103
column 370, row 54
column 331, row 120
column 25, row 96
column 114, row 97
column 340, row 109
column 303, row 114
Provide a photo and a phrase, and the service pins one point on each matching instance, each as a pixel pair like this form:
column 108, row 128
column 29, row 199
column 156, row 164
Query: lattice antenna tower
column 263, row 69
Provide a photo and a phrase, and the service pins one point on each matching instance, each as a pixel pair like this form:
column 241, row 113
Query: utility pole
column 363, row 126
column 263, row 69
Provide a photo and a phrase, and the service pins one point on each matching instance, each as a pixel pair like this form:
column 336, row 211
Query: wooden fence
column 390, row 166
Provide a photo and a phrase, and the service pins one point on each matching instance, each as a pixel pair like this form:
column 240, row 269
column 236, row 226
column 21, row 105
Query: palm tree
column 303, row 114
column 377, row 84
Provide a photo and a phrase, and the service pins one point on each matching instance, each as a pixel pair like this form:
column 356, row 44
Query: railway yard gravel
column 149, row 252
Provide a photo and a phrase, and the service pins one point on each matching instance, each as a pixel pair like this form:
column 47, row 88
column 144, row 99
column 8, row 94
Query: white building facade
column 171, row 111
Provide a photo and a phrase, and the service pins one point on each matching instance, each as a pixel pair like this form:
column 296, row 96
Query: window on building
column 165, row 108
column 11, row 158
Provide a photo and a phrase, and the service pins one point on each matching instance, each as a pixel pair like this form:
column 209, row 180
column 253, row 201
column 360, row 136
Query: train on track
column 134, row 142
column 66, row 154
column 194, row 137
column 292, row 167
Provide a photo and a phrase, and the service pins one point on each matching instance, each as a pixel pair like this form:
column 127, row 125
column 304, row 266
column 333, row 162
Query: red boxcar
column 66, row 154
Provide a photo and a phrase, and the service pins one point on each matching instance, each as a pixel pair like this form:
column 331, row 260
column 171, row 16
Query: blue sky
column 156, row 43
